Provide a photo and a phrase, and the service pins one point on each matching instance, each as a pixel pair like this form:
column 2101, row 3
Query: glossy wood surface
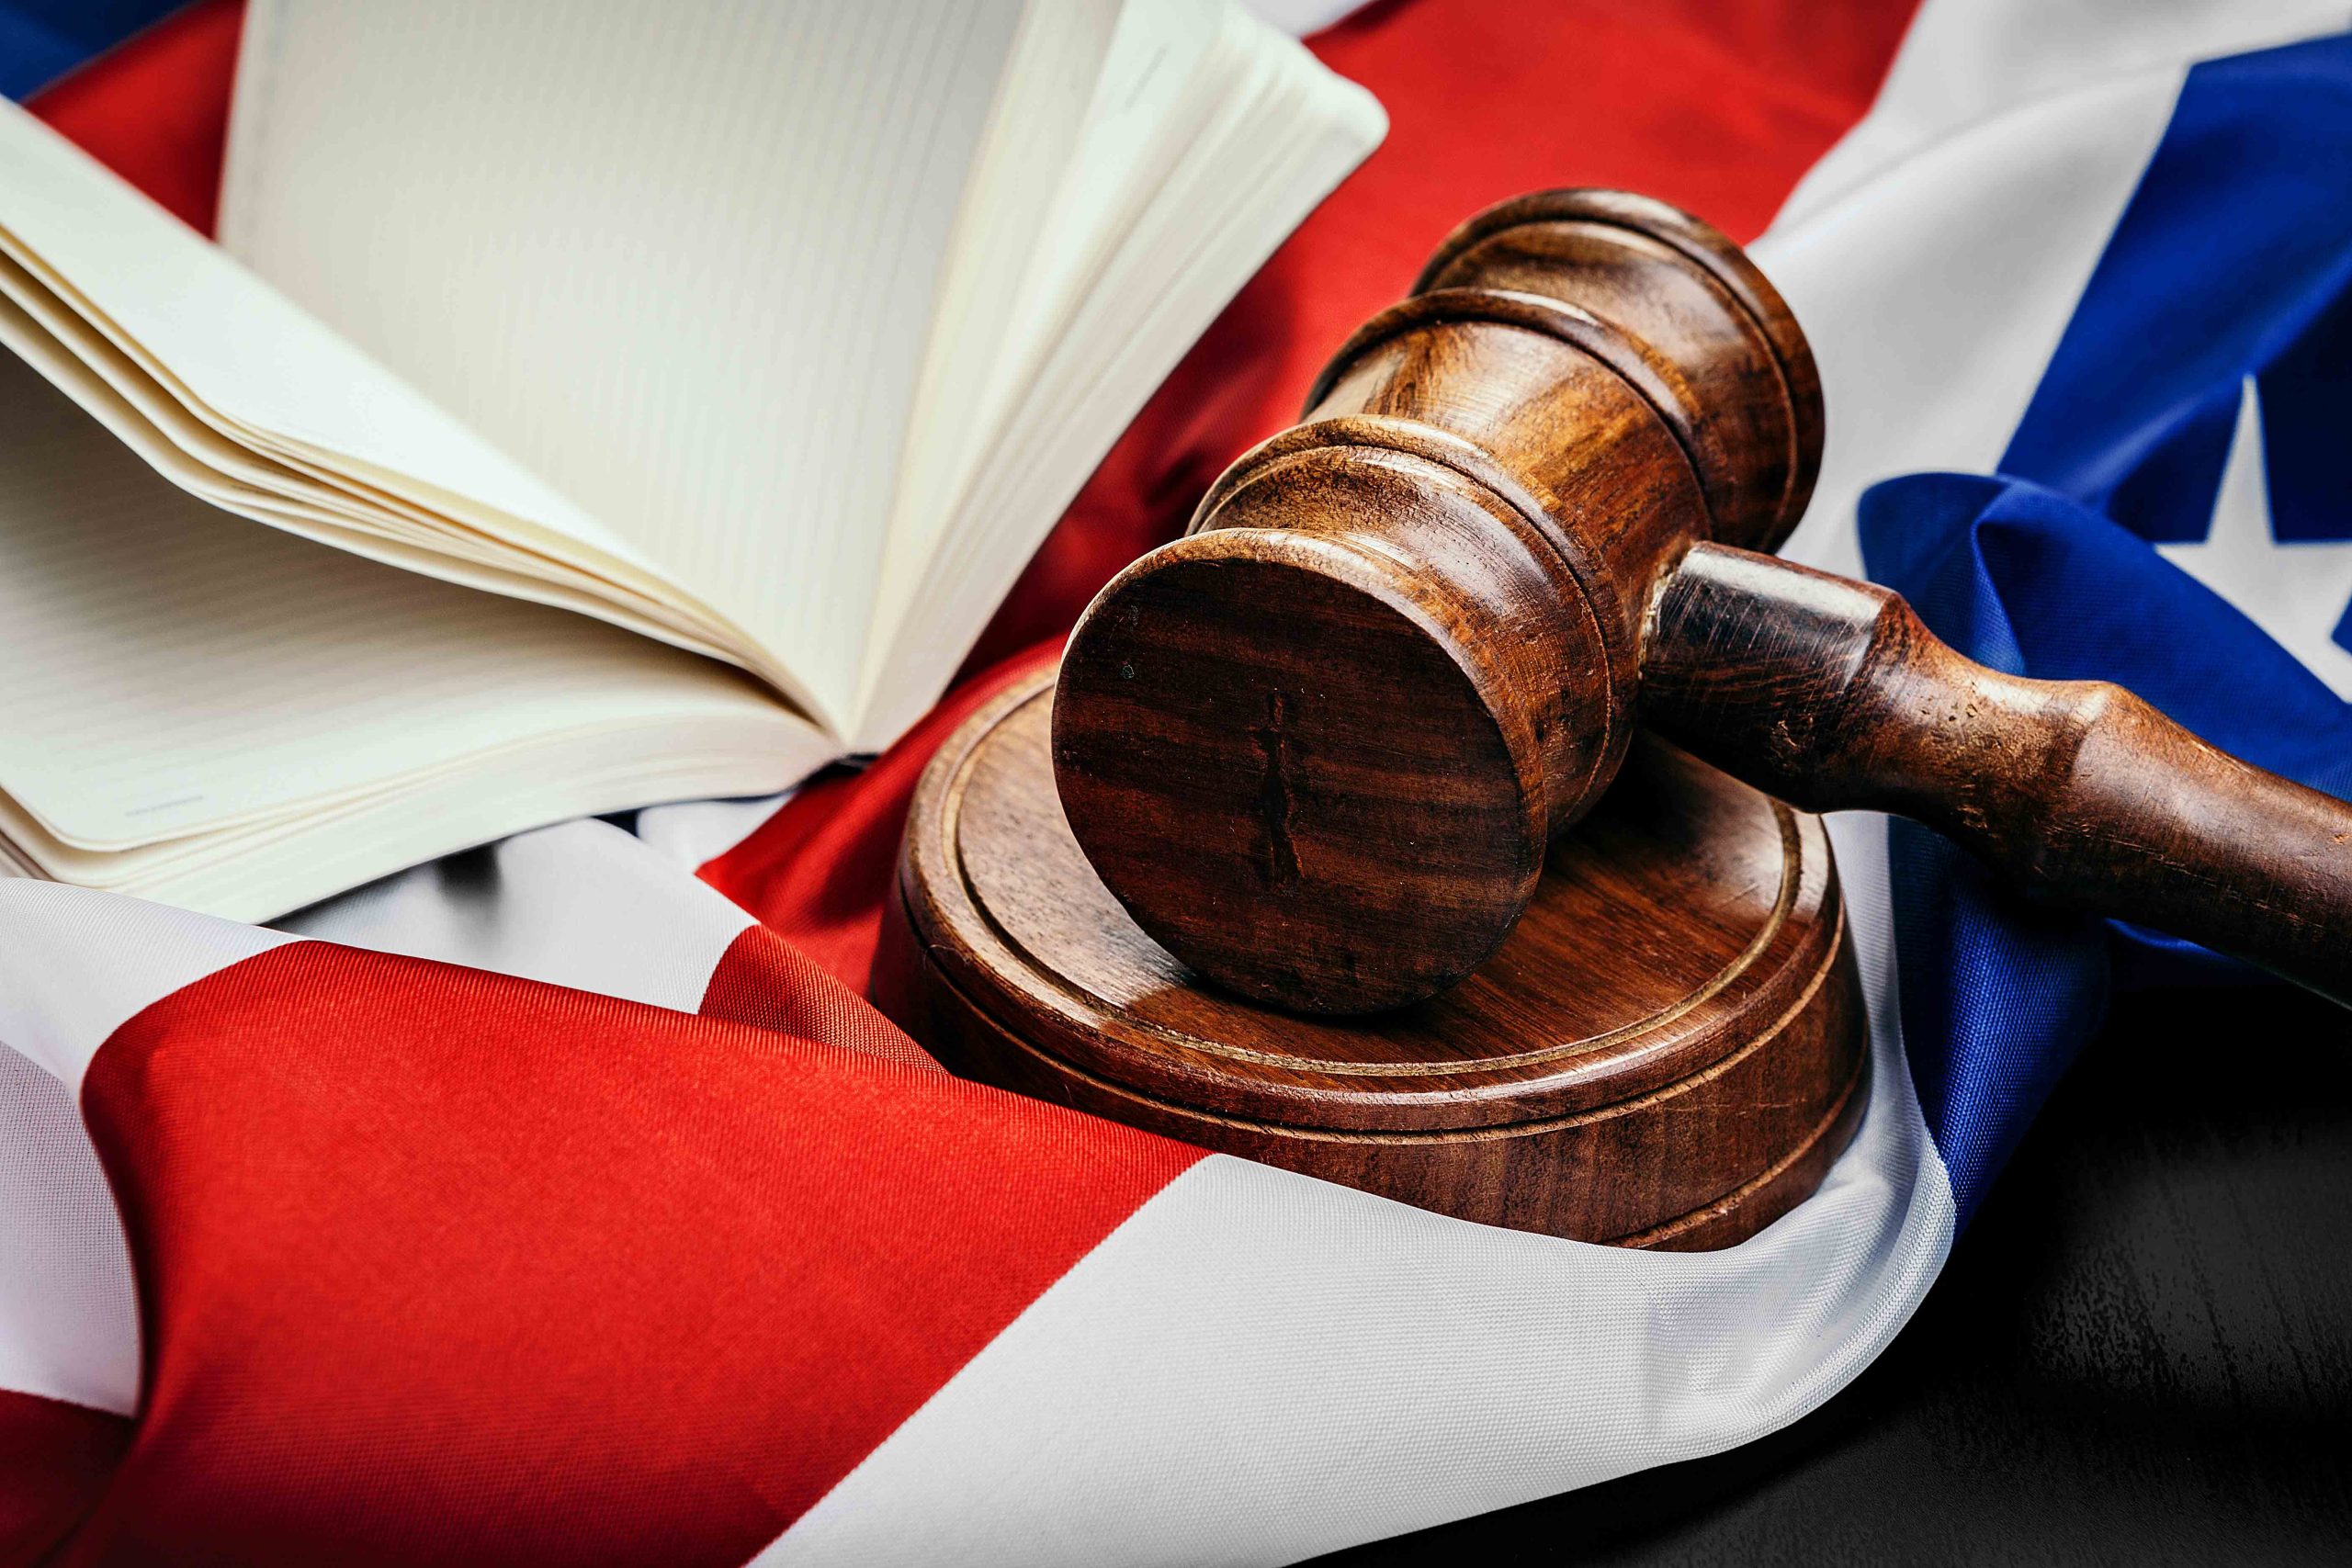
column 1318, row 748
column 1831, row 695
column 1668, row 1052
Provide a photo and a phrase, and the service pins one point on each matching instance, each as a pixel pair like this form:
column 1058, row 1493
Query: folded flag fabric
column 564, row 1202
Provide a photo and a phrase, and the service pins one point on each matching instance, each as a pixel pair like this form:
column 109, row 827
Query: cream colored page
column 1246, row 136
column 172, row 668
column 1045, row 123
column 682, row 259
column 1164, row 76
column 1154, row 50
column 195, row 456
column 238, row 346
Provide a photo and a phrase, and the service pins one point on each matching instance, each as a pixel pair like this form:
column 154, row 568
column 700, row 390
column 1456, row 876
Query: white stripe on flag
column 1258, row 1367
column 69, row 1315
column 1964, row 62
column 1299, row 17
column 692, row 832
column 580, row 904
column 80, row 964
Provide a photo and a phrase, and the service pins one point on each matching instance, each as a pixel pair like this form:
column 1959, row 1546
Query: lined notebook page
column 682, row 260
column 1135, row 104
column 192, row 454
column 170, row 667
column 1212, row 143
column 237, row 347
column 987, row 347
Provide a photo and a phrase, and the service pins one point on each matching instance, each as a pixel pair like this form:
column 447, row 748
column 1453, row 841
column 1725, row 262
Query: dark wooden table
column 2141, row 1351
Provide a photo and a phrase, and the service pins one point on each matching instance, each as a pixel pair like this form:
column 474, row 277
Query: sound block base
column 1668, row 1052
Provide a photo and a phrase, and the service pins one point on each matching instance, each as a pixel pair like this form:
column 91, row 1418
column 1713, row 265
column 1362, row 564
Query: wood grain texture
column 1830, row 694
column 1716, row 327
column 1318, row 747
column 1669, row 1051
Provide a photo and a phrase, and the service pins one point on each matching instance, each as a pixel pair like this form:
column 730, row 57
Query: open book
column 587, row 406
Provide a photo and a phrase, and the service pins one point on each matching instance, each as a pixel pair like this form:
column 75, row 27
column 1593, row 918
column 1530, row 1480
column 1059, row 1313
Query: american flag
column 566, row 1202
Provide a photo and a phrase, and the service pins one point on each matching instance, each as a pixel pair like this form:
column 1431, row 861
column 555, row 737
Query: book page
column 174, row 670
column 983, row 333
column 1146, row 102
column 108, row 385
column 1213, row 138
column 241, row 354
column 682, row 260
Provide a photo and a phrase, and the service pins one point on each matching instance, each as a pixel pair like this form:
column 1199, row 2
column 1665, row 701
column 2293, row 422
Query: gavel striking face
column 1319, row 747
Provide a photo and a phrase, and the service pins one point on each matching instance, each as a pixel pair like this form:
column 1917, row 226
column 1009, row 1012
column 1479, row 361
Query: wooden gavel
column 1318, row 748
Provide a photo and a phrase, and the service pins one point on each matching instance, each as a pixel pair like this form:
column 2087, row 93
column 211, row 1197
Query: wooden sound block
column 1668, row 1052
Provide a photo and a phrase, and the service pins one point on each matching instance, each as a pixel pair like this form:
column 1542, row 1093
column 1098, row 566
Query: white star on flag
column 2295, row 590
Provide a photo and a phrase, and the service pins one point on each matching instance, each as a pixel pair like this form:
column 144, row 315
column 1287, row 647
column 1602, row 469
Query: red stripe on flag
column 765, row 981
column 438, row 1265
column 156, row 108
column 54, row 1460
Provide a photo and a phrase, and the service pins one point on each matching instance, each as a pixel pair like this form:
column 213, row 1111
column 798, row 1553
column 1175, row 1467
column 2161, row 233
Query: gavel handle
column 1832, row 694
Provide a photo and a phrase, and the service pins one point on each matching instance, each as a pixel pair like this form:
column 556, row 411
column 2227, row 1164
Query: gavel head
column 1318, row 747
